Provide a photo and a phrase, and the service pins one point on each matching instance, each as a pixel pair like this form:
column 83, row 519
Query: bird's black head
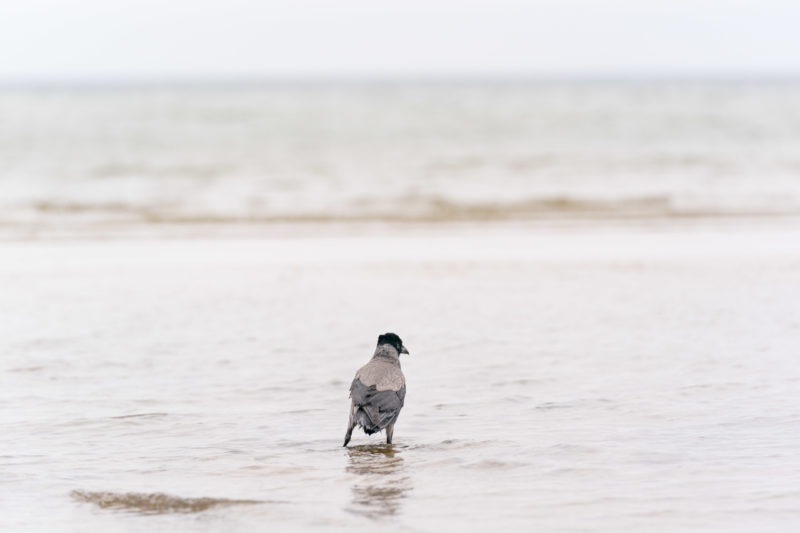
column 392, row 340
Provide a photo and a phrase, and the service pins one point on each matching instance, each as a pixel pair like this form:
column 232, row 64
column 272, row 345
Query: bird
column 378, row 390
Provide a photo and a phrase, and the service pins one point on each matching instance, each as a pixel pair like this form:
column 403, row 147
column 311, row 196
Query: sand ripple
column 153, row 503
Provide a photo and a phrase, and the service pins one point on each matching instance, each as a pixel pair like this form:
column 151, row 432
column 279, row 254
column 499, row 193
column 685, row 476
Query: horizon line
column 422, row 78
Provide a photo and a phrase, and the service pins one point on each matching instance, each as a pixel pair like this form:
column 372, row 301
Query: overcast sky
column 187, row 39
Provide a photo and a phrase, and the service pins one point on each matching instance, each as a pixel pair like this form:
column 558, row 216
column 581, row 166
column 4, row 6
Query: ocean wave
column 415, row 209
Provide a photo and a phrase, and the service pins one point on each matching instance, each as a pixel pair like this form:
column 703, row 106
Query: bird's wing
column 402, row 395
column 382, row 406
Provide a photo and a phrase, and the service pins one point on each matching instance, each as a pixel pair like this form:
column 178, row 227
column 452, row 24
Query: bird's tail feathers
column 364, row 418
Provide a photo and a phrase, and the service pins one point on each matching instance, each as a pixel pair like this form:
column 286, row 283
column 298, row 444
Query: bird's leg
column 389, row 432
column 350, row 426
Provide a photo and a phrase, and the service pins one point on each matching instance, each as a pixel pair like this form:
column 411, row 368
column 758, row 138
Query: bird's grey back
column 378, row 390
column 382, row 373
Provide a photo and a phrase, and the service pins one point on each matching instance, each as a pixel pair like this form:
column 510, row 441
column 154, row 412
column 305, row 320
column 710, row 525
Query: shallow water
column 595, row 378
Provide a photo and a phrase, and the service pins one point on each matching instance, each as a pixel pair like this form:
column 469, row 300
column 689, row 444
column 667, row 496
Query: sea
column 597, row 281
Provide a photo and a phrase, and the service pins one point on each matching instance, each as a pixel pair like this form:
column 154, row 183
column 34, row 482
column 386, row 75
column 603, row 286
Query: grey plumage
column 377, row 409
column 378, row 390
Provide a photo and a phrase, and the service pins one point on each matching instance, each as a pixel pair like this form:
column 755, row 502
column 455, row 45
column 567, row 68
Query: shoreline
column 422, row 245
column 122, row 231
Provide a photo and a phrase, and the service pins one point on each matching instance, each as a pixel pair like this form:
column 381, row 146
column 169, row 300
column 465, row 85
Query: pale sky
column 74, row 40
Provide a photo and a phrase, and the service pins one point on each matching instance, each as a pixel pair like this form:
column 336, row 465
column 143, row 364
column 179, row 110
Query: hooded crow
column 378, row 390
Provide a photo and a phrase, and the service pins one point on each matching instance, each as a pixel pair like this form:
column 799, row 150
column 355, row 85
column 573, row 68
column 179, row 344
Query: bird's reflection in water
column 381, row 483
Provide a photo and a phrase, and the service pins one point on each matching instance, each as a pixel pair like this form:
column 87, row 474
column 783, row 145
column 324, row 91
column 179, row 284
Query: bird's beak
column 403, row 350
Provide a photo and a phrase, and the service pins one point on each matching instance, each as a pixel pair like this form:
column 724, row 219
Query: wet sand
column 599, row 378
